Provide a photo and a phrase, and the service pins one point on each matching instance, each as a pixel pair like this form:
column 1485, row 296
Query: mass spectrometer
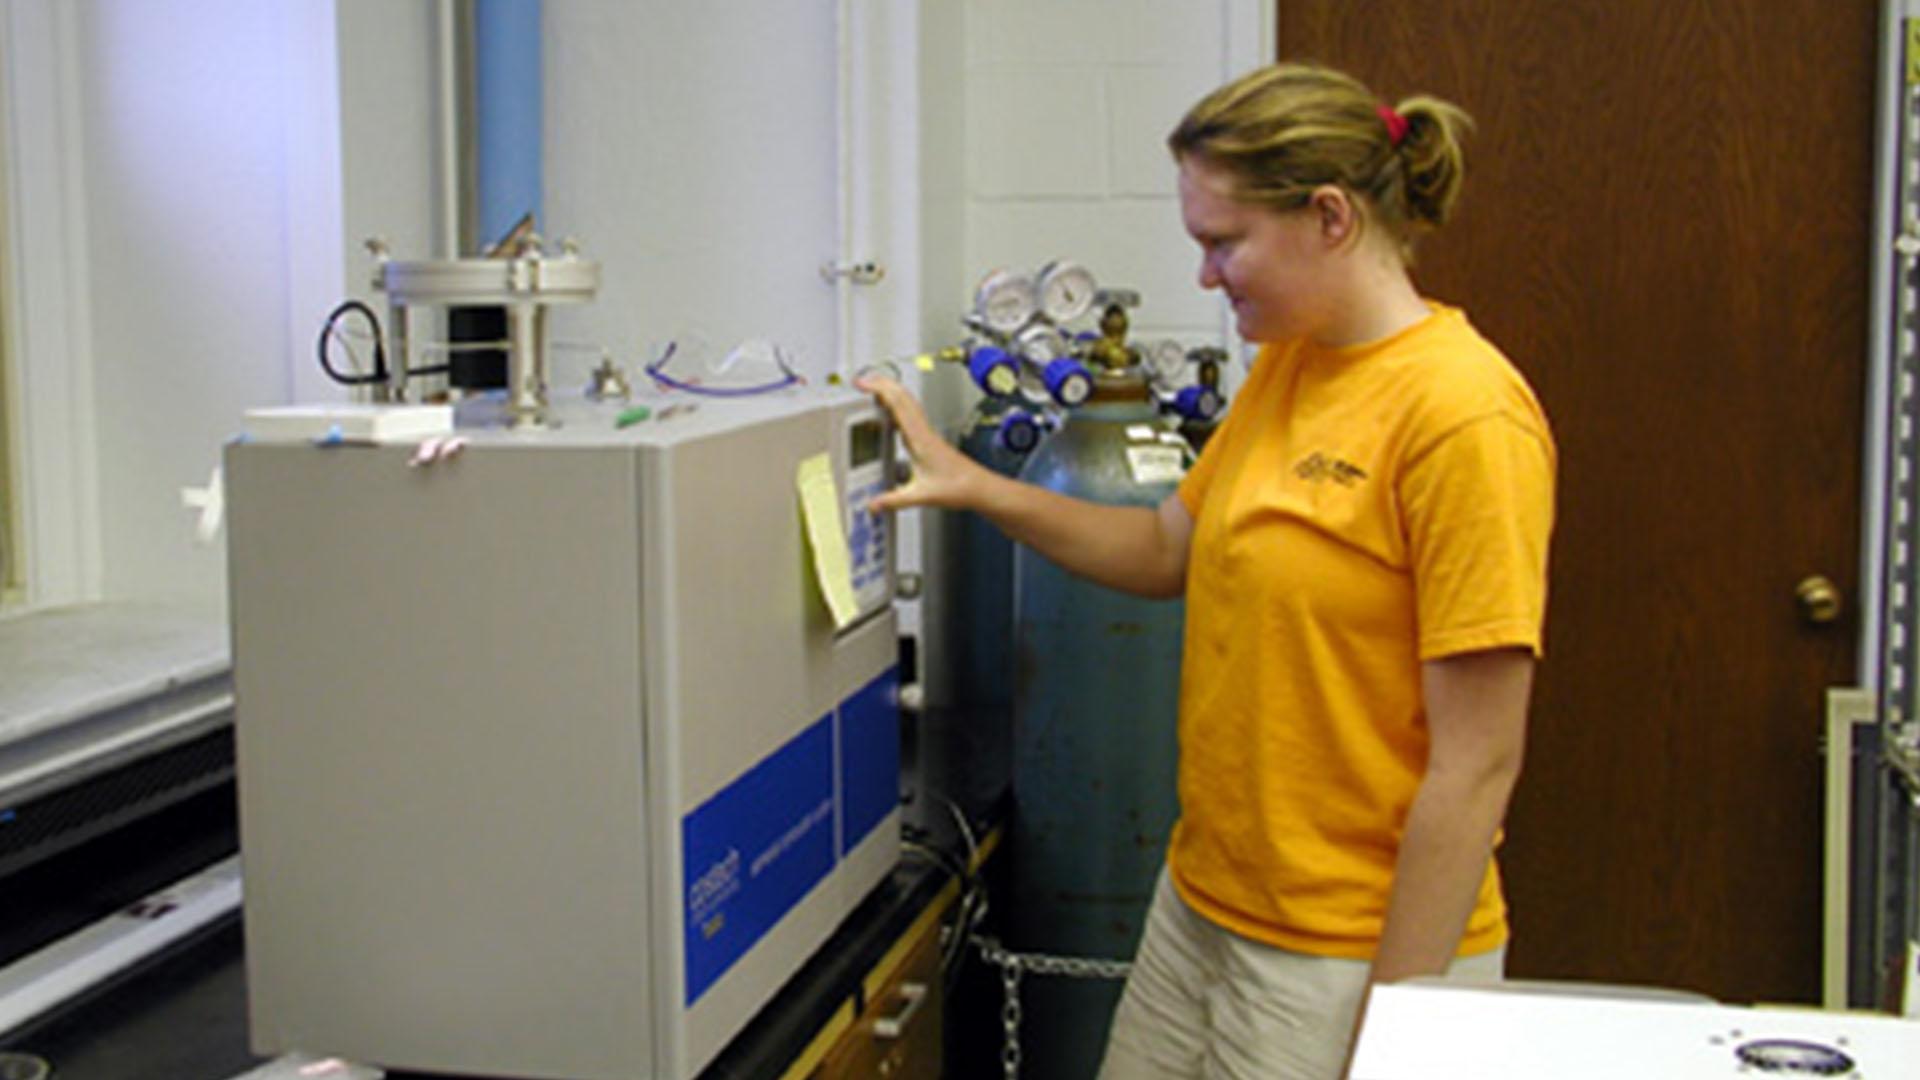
column 557, row 758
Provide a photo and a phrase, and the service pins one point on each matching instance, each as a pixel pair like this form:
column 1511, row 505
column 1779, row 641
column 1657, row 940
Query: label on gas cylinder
column 1156, row 464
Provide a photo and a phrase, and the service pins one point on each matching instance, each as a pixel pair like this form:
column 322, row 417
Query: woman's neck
column 1379, row 302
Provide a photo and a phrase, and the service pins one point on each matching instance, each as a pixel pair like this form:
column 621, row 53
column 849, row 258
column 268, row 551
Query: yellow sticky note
column 924, row 362
column 820, row 506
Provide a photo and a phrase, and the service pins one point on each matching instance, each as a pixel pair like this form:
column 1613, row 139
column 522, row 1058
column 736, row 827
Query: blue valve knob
column 1197, row 402
column 1019, row 432
column 1067, row 380
column 993, row 371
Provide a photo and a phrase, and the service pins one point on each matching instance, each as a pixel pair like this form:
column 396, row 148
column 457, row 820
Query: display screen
column 863, row 443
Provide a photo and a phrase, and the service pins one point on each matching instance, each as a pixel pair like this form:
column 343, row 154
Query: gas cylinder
column 998, row 433
column 1096, row 691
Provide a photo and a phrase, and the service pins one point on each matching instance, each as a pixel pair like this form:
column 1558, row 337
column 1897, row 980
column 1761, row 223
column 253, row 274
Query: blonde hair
column 1282, row 131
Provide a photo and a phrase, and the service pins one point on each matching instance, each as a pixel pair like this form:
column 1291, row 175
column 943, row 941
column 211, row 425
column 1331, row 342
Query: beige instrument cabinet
column 552, row 761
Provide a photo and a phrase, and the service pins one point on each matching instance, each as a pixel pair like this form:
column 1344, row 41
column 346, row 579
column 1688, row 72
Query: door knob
column 1819, row 599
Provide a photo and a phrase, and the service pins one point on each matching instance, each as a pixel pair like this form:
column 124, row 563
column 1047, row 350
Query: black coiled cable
column 354, row 307
column 379, row 373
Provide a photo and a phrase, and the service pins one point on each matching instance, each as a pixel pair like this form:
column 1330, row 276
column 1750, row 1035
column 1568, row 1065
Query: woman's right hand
column 1136, row 549
column 942, row 475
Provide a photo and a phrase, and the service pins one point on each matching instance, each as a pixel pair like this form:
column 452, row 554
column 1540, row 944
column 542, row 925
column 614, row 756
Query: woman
column 1363, row 550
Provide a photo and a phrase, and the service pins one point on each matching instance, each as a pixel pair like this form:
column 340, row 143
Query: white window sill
column 90, row 687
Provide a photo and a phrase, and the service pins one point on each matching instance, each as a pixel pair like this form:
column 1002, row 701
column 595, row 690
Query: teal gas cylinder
column 999, row 434
column 1096, row 690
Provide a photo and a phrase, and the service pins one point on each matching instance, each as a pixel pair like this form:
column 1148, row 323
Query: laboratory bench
column 183, row 1015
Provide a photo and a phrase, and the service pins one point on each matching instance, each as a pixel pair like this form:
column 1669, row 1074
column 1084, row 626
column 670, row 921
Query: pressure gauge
column 1041, row 344
column 1066, row 291
column 1167, row 362
column 1004, row 301
column 1033, row 386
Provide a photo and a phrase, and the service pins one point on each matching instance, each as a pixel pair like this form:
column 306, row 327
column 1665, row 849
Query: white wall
column 692, row 148
column 940, row 129
column 183, row 148
column 1068, row 104
column 385, row 138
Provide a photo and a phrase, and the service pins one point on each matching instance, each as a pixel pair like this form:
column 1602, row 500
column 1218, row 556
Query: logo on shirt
column 1318, row 467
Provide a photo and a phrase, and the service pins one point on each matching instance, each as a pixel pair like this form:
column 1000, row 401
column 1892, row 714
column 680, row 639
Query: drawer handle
column 913, row 995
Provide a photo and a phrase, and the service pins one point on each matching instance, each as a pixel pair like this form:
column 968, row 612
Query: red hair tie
column 1396, row 125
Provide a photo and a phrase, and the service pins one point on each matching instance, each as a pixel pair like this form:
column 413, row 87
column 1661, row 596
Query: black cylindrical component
column 477, row 369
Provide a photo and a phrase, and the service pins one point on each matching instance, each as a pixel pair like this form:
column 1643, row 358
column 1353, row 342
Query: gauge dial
column 1004, row 301
column 1167, row 361
column 1033, row 387
column 1041, row 344
column 1066, row 291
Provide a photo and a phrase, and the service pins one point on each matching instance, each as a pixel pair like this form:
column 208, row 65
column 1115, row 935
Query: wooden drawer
column 897, row 1037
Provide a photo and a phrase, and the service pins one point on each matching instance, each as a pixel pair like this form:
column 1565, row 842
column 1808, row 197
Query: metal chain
column 1010, row 1019
column 1013, row 965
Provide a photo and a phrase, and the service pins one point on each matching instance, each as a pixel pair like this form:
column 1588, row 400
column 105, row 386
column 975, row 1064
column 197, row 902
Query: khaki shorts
column 1203, row 1002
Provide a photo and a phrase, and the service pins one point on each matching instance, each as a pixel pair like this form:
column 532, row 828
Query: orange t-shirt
column 1362, row 510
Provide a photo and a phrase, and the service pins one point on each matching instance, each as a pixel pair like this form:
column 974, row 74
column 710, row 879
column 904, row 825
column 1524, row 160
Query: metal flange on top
column 529, row 277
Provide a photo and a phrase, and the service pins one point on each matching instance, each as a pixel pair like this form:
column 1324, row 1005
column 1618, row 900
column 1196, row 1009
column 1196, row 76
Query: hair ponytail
column 1433, row 158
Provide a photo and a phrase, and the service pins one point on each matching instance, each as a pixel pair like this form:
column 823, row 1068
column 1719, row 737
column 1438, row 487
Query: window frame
column 44, row 315
column 12, row 571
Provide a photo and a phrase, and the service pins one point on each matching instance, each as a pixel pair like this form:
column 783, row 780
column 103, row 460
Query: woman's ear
column 1336, row 214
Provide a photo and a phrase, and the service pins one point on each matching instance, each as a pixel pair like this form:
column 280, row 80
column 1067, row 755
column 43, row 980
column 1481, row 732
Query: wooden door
column 1665, row 223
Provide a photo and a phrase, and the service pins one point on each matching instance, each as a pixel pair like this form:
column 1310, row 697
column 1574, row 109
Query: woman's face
column 1270, row 263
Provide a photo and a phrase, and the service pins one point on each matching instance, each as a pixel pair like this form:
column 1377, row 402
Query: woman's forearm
column 1443, row 860
column 1134, row 549
column 1476, row 706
